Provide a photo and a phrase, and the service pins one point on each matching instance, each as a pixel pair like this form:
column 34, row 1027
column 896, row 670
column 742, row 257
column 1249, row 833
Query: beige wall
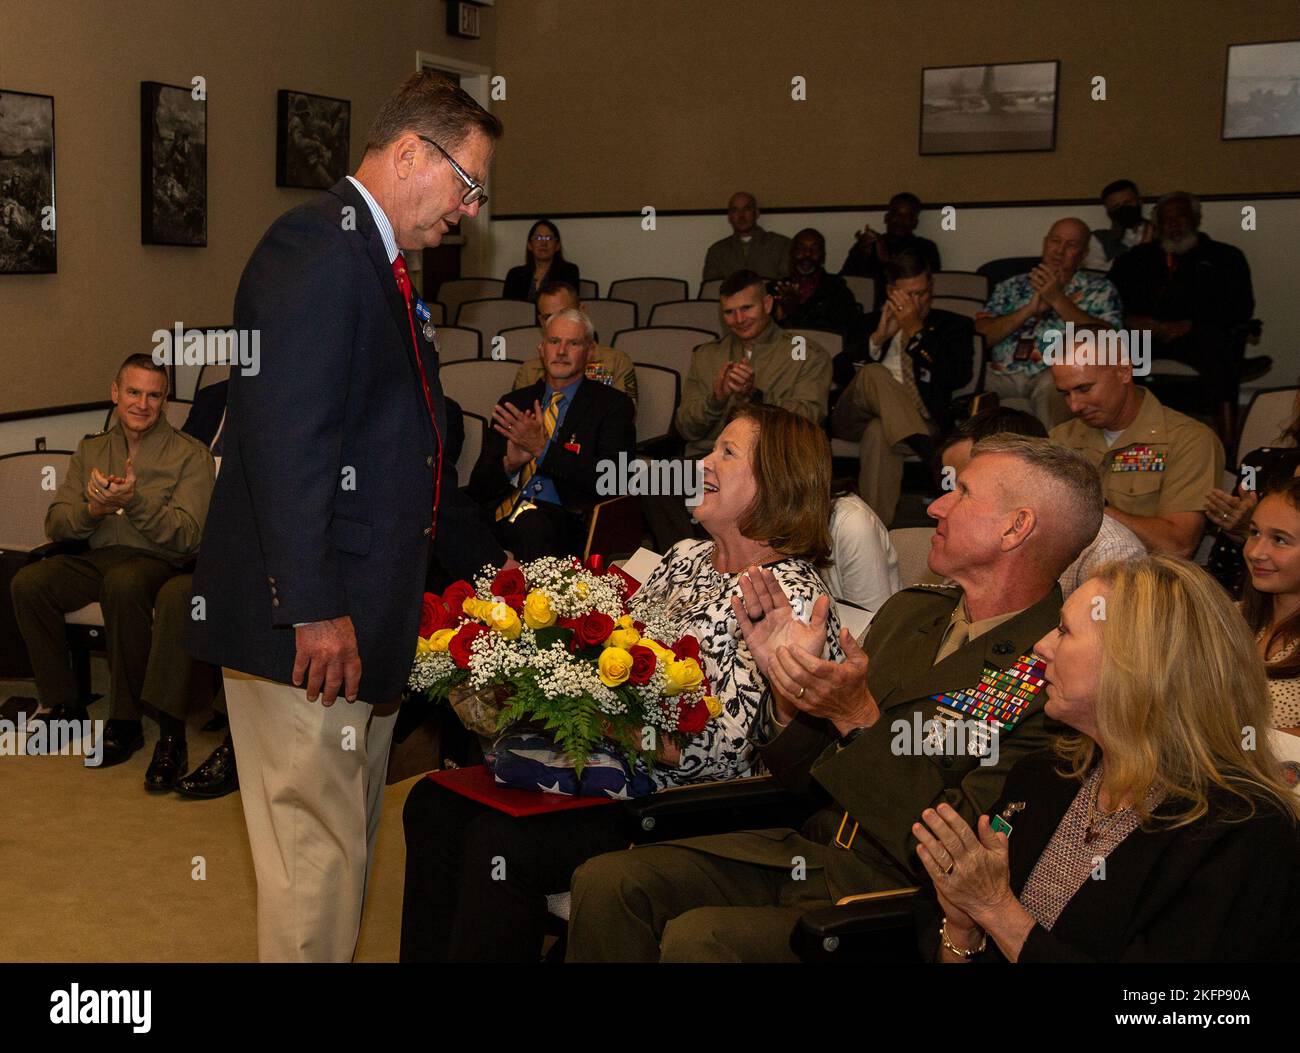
column 61, row 335
column 617, row 104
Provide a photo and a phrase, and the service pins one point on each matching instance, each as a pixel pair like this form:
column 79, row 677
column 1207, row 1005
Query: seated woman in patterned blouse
column 1271, row 597
column 766, row 502
column 1159, row 831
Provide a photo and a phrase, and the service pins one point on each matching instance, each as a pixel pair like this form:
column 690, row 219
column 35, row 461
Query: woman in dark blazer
column 1162, row 830
column 543, row 262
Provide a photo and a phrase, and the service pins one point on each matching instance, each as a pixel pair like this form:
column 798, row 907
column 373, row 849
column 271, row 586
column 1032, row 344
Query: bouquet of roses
column 563, row 647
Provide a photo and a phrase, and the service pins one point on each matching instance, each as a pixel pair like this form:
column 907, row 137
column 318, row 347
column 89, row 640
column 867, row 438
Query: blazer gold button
column 275, row 603
column 270, row 579
column 428, row 462
column 428, row 530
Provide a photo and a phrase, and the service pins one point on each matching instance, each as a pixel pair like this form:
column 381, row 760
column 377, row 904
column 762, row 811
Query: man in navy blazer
column 538, row 473
column 309, row 583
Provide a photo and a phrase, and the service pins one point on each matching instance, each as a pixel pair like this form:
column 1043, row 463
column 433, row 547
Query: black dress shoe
column 169, row 760
column 121, row 739
column 215, row 777
column 219, row 722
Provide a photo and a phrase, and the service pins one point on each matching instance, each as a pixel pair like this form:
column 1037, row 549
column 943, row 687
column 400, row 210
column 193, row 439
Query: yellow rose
column 537, row 610
column 502, row 618
column 440, row 640
column 476, row 608
column 715, row 707
column 615, row 664
column 422, row 645
column 659, row 649
column 624, row 638
column 626, row 622
column 685, row 675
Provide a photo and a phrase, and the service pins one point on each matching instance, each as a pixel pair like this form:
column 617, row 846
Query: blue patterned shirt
column 1091, row 294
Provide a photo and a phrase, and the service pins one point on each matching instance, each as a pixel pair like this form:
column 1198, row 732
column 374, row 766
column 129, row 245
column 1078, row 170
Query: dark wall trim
column 55, row 411
column 1055, row 202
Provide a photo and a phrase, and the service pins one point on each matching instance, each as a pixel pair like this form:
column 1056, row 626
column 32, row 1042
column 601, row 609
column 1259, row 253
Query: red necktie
column 404, row 284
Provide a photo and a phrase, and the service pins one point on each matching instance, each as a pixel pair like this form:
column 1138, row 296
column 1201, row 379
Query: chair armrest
column 713, row 807
column 870, row 927
column 57, row 548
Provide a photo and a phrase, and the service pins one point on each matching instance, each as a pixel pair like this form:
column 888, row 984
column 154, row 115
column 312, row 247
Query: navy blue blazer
column 323, row 506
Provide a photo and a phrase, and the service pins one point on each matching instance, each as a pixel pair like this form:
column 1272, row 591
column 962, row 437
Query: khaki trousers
column 1039, row 390
column 876, row 411
column 312, row 782
column 672, row 903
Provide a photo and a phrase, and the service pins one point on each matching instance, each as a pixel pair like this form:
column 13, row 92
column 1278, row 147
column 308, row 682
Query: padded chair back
column 864, row 291
column 521, row 342
column 710, row 290
column 28, row 481
column 831, row 343
column 962, row 305
column 458, row 345
column 609, row 316
column 477, row 385
column 475, row 427
column 647, row 292
column 1269, row 415
column 693, row 314
column 961, row 283
column 1000, row 270
column 456, row 292
column 913, row 547
column 659, row 390
column 177, row 411
column 587, row 289
column 671, row 346
column 489, row 317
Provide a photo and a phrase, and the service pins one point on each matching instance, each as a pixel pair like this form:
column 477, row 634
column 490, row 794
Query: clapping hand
column 789, row 653
column 525, row 437
column 904, row 308
column 734, row 378
column 1047, row 284
column 970, row 874
column 1230, row 513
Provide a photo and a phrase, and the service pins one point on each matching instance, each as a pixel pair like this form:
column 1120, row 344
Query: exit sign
column 463, row 19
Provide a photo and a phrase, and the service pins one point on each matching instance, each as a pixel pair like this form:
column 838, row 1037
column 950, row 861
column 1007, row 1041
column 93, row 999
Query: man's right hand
column 886, row 327
column 327, row 658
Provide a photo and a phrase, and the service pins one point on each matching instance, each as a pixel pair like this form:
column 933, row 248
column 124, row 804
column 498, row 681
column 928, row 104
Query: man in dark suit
column 895, row 399
column 877, row 740
column 551, row 444
column 333, row 481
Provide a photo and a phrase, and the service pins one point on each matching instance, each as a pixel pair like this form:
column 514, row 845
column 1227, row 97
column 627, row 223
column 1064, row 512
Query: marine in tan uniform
column 756, row 360
column 137, row 494
column 860, row 732
column 1156, row 464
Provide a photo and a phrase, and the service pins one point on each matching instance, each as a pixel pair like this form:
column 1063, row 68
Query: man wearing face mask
column 1195, row 295
column 1127, row 227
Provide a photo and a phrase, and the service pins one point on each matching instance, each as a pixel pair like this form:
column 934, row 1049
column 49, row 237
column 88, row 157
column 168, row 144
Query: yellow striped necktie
column 550, row 417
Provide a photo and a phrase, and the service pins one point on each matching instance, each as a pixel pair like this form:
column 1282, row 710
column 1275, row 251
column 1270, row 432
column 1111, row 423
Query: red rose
column 594, row 629
column 691, row 719
column 638, row 625
column 643, row 665
column 687, row 647
column 460, row 643
column 455, row 595
column 434, row 615
column 509, row 583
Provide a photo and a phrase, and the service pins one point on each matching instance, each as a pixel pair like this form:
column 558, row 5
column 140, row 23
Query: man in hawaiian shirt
column 1023, row 311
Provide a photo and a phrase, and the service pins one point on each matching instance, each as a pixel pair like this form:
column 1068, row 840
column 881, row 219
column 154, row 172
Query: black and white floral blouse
column 686, row 587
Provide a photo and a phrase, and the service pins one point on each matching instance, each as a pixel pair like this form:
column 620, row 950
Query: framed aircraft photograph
column 1003, row 108
column 1261, row 90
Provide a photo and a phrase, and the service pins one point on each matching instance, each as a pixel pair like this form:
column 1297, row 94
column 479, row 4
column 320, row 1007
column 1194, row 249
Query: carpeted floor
column 93, row 868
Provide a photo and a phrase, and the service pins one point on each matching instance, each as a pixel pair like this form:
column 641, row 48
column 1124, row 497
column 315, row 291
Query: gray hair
column 1059, row 483
column 573, row 314
column 1191, row 200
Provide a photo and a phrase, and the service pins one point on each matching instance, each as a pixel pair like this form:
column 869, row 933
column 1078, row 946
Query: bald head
column 1099, row 395
column 742, row 211
column 1066, row 245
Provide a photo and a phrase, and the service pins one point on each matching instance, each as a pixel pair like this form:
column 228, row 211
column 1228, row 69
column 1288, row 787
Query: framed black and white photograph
column 1261, row 91
column 27, row 216
column 173, row 166
column 1003, row 108
column 313, row 133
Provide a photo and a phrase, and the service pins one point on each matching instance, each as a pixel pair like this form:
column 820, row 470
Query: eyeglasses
column 475, row 191
column 543, row 238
